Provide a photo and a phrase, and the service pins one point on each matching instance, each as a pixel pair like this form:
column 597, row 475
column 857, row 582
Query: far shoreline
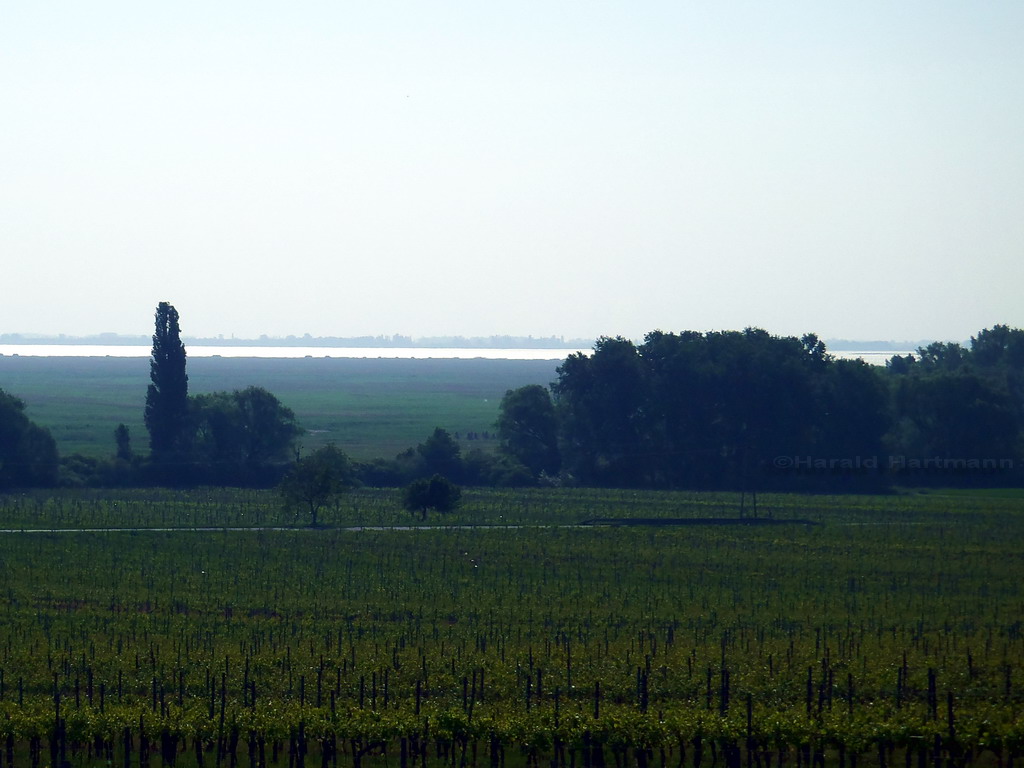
column 396, row 341
column 199, row 351
column 294, row 353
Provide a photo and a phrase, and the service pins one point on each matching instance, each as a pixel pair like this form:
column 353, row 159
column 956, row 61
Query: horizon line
column 435, row 340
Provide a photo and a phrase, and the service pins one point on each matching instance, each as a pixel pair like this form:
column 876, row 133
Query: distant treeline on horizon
column 306, row 340
column 399, row 340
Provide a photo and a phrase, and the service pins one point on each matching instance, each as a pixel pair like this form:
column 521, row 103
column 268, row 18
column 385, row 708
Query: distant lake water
column 873, row 358
column 399, row 353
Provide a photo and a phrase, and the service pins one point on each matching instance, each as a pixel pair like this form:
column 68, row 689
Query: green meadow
column 370, row 408
column 215, row 627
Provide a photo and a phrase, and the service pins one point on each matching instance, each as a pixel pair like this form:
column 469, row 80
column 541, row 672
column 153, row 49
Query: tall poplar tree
column 167, row 396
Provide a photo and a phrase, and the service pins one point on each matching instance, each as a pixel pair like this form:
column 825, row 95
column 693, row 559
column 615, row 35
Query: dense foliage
column 741, row 410
column 748, row 410
column 436, row 492
column 317, row 480
column 529, row 429
column 167, row 396
column 28, row 454
column 231, row 438
column 240, row 437
column 969, row 402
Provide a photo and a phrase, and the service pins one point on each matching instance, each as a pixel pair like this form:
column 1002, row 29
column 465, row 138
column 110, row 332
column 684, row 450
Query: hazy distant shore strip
column 399, row 341
column 336, row 342
column 402, row 353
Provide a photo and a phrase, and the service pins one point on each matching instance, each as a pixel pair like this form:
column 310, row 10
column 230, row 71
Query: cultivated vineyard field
column 890, row 632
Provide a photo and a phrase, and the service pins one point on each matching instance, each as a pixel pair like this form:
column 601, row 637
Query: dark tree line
column 746, row 410
column 711, row 410
column 28, row 453
column 741, row 410
column 962, row 401
column 244, row 437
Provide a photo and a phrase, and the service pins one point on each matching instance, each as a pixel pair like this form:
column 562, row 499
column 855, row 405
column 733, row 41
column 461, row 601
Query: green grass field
column 370, row 408
column 890, row 632
column 887, row 629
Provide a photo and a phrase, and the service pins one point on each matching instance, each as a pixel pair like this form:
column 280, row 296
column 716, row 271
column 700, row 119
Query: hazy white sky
column 577, row 168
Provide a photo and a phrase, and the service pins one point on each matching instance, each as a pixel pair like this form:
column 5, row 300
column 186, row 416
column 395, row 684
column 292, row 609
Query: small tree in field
column 437, row 493
column 123, row 439
column 318, row 480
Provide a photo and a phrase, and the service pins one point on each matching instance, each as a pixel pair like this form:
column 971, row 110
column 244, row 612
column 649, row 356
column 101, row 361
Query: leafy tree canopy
column 28, row 453
column 440, row 454
column 529, row 429
column 242, row 433
column 167, row 409
column 318, row 480
column 436, row 493
column 705, row 410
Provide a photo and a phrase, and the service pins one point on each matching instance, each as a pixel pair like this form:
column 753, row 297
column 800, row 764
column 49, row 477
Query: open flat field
column 888, row 632
column 369, row 408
